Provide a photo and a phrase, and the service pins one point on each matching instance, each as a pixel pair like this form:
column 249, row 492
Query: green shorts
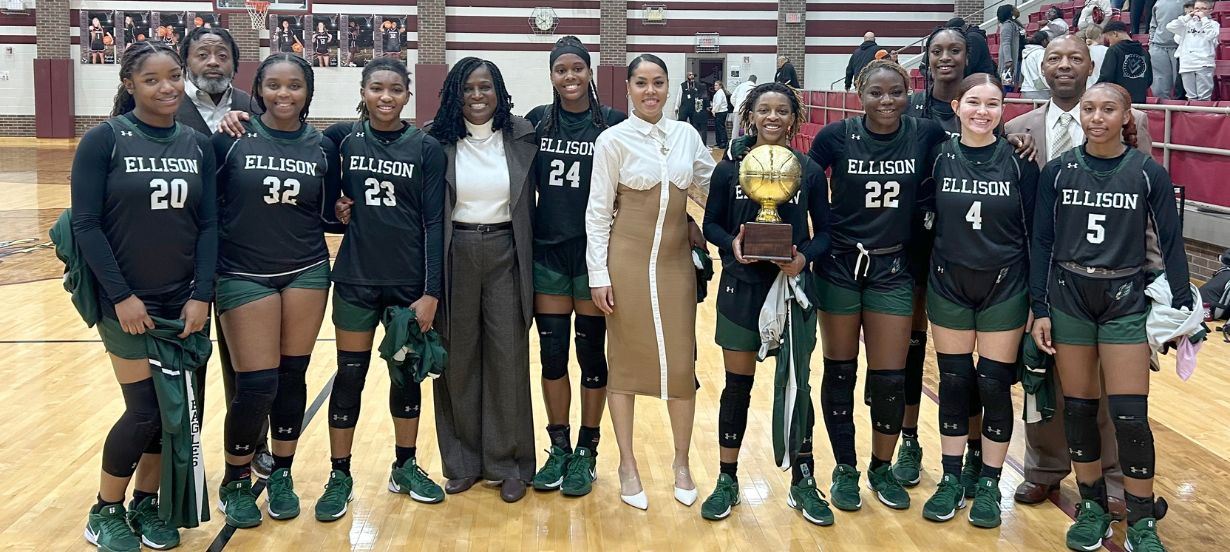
column 116, row 341
column 236, row 290
column 560, row 269
column 886, row 288
column 1089, row 311
column 959, row 298
column 358, row 308
column 738, row 313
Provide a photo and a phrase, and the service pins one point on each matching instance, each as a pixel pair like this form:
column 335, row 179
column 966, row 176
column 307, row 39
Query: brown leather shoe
column 512, row 490
column 1029, row 492
column 1118, row 509
column 454, row 486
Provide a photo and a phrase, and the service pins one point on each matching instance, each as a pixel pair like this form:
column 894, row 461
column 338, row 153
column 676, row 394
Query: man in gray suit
column 1056, row 128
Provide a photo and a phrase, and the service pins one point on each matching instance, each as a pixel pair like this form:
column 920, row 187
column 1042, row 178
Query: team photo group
column 1035, row 252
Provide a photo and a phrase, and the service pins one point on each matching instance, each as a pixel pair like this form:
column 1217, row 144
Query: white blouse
column 483, row 190
column 640, row 155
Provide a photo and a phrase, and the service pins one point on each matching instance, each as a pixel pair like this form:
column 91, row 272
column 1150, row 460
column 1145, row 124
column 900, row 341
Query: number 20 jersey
column 383, row 244
column 270, row 193
column 875, row 185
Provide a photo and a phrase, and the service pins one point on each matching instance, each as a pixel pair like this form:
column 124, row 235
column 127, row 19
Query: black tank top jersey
column 875, row 181
column 153, row 190
column 384, row 242
column 1100, row 216
column 728, row 207
column 321, row 40
column 285, row 39
column 562, row 171
column 983, row 210
column 271, row 194
column 923, row 106
column 392, row 40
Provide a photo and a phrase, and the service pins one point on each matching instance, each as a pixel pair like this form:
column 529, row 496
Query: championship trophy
column 770, row 175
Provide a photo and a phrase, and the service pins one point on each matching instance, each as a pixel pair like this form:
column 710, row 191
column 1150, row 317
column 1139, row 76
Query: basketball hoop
column 257, row 9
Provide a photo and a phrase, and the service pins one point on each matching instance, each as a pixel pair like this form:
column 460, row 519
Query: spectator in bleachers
column 1163, row 49
column 1092, row 36
column 1197, row 36
column 786, row 73
column 861, row 57
column 1033, row 85
column 1142, row 14
column 1127, row 63
column 1055, row 26
column 1011, row 42
column 978, row 54
column 1095, row 14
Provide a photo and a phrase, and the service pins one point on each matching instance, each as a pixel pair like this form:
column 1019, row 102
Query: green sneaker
column 985, row 511
column 805, row 498
column 107, row 528
column 1142, row 537
column 948, row 498
column 723, row 500
column 412, row 480
column 236, row 500
column 338, row 492
column 551, row 476
column 971, row 471
column 844, row 489
column 580, row 473
column 1091, row 526
column 909, row 460
column 887, row 488
column 153, row 531
column 283, row 503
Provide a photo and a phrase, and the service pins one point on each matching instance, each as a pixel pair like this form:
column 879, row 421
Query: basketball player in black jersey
column 878, row 161
column 320, row 44
column 390, row 39
column 1089, row 304
column 273, row 278
column 287, row 37
column 142, row 189
column 566, row 130
column 773, row 114
column 977, row 300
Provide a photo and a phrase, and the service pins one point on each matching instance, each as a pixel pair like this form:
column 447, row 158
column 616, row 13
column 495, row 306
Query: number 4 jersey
column 396, row 179
column 271, row 196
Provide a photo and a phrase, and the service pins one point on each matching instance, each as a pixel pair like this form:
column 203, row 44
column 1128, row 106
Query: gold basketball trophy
column 770, row 175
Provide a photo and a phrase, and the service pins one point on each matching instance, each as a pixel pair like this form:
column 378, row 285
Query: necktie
column 1063, row 136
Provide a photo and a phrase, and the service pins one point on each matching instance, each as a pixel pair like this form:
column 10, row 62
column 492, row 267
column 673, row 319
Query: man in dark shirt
column 1127, row 63
column 786, row 73
column 861, row 57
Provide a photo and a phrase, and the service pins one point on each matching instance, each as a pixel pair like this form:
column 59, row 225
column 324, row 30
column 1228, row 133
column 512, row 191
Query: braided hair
column 864, row 76
column 309, row 79
column 796, row 107
column 1125, row 101
column 551, row 121
column 381, row 64
column 449, row 125
column 928, row 80
column 134, row 57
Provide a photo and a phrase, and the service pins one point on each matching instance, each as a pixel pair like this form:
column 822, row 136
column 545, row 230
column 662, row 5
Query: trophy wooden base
column 763, row 241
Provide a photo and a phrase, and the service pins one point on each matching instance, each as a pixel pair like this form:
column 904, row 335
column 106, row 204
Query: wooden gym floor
column 60, row 399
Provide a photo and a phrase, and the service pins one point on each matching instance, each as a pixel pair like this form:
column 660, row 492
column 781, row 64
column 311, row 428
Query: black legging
column 1142, row 14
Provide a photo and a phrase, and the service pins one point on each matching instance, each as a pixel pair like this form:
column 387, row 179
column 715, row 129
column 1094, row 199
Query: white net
column 256, row 13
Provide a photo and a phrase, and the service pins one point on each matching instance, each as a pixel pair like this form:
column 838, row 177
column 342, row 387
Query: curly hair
column 1125, row 101
column 381, row 64
column 797, row 117
column 449, row 125
column 130, row 63
column 551, row 121
column 309, row 78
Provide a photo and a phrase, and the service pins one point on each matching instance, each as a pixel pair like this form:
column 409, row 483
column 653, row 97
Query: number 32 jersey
column 396, row 180
column 271, row 196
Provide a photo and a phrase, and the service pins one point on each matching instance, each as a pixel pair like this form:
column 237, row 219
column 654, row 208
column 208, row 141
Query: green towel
column 411, row 354
column 1035, row 369
column 78, row 279
column 793, row 415
column 704, row 272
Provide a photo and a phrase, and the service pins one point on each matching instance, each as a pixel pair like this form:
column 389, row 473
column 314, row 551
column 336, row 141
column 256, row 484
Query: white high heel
column 687, row 497
column 639, row 500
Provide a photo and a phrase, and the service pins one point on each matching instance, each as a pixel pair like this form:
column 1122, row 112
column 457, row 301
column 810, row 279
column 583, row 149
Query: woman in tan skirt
column 638, row 249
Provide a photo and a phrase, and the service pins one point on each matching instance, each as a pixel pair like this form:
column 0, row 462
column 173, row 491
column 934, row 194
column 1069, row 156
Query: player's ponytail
column 1125, row 100
column 134, row 56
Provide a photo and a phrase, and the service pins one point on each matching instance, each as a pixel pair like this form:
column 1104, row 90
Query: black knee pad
column 887, row 400
column 405, row 401
column 347, row 392
column 956, row 383
column 286, row 418
column 138, row 426
column 254, row 395
column 995, row 388
column 914, row 367
column 1130, row 414
column 553, row 330
column 591, row 350
column 732, row 409
column 837, row 404
column 1080, row 425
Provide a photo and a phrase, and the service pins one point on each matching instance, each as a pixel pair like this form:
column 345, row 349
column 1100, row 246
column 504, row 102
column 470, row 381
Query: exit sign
column 794, row 18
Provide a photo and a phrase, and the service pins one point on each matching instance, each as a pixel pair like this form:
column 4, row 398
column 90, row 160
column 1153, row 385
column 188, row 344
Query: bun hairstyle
column 638, row 60
column 1125, row 100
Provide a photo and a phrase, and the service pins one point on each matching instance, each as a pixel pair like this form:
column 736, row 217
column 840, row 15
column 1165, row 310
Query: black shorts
column 920, row 255
column 1089, row 311
column 358, row 308
column 738, row 313
column 887, row 286
column 960, row 298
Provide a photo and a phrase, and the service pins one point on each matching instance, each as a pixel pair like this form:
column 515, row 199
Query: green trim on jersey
column 836, row 299
column 1129, row 155
column 1075, row 330
column 550, row 282
column 236, row 291
column 1008, row 314
column 129, row 125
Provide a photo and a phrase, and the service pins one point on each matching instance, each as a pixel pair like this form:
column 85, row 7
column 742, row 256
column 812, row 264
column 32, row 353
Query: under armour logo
column 243, row 447
column 996, row 431
column 855, row 137
column 125, row 133
column 952, row 156
column 285, row 430
column 949, row 426
column 878, row 424
column 1141, row 471
column 414, row 408
column 1077, row 452
column 730, row 435
column 359, row 134
column 807, row 439
column 730, row 289
column 340, row 417
column 593, row 379
column 251, row 135
column 1072, row 165
column 841, row 412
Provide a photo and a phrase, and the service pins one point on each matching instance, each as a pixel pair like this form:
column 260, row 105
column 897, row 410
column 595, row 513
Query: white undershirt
column 483, row 189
